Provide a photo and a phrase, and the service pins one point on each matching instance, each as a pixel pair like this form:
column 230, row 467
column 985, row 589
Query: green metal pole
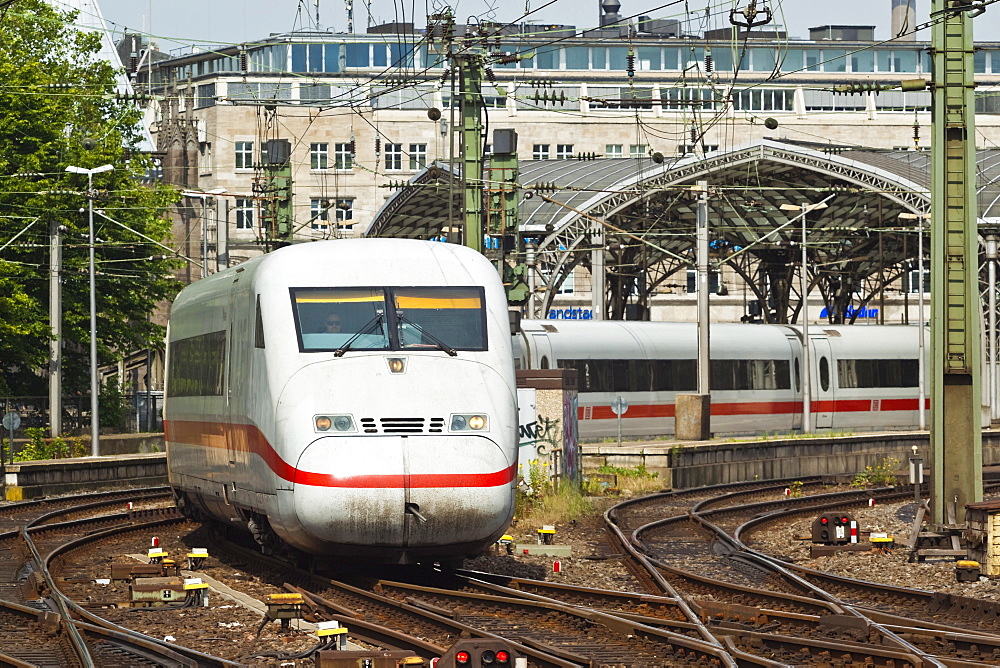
column 471, row 95
column 956, row 436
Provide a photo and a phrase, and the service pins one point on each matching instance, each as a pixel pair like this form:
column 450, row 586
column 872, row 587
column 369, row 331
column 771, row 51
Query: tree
column 58, row 107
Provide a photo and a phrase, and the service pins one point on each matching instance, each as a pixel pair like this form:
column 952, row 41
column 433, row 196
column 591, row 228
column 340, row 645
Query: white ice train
column 862, row 377
column 391, row 438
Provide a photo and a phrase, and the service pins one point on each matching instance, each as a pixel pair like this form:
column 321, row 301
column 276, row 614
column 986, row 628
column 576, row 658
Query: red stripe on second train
column 249, row 439
column 758, row 408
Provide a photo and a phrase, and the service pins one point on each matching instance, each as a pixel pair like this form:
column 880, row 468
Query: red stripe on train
column 758, row 408
column 249, row 439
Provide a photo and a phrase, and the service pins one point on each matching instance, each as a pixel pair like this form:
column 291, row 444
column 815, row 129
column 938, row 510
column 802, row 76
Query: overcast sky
column 203, row 22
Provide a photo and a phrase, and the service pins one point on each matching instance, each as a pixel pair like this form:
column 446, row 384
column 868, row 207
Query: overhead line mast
column 956, row 412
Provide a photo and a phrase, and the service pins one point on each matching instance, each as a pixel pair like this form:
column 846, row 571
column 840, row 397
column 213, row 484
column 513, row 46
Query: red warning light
column 503, row 656
column 824, row 520
column 844, row 520
column 462, row 657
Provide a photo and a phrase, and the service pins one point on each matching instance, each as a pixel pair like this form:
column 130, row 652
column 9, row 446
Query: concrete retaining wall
column 30, row 480
column 683, row 465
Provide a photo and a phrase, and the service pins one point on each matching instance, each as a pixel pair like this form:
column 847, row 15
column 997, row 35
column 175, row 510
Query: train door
column 823, row 402
column 540, row 351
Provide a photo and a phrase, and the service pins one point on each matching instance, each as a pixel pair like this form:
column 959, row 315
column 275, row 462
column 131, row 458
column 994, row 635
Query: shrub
column 880, row 474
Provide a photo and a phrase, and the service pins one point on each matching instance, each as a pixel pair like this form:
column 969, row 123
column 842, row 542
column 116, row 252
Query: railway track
column 39, row 626
column 739, row 607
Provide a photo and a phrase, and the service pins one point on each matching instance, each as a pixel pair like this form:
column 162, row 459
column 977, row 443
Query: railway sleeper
column 986, row 614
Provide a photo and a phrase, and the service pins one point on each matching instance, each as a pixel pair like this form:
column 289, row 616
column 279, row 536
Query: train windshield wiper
column 339, row 352
column 441, row 345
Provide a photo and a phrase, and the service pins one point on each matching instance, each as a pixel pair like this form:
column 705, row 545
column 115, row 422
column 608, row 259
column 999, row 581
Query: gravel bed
column 889, row 567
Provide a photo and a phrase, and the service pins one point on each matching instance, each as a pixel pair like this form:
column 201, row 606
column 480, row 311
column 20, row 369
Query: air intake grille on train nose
column 402, row 425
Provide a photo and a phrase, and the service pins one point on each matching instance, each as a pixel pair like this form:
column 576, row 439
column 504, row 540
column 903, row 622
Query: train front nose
column 415, row 493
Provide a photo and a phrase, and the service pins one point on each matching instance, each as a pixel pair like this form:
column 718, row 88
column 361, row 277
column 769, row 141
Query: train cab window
column 824, row 374
column 329, row 318
column 440, row 317
column 390, row 318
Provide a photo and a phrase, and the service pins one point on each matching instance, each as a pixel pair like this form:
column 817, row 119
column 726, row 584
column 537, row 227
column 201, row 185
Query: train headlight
column 334, row 422
column 469, row 423
column 396, row 364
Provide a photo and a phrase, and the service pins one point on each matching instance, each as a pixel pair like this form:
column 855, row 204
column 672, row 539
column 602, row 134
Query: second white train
column 861, row 377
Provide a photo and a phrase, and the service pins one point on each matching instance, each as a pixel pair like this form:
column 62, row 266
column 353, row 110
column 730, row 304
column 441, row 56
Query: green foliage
column 55, row 94
column 880, row 474
column 795, row 488
column 113, row 406
column 38, row 447
column 634, row 472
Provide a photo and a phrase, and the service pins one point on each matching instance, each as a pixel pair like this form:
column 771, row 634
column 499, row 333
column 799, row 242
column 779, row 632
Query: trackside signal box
column 481, row 653
column 835, row 529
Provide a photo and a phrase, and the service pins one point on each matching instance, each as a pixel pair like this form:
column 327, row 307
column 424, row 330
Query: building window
column 205, row 158
column 345, row 213
column 913, row 284
column 319, row 214
column 540, row 152
column 343, row 156
column 244, row 155
column 613, row 150
column 637, row 150
column 318, row 155
column 418, row 156
column 688, row 149
column 244, row 213
column 714, row 283
column 393, row 157
column 564, row 151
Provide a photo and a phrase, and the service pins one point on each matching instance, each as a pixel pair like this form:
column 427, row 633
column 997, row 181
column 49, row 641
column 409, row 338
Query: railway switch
column 546, row 535
column 196, row 558
column 967, row 571
column 481, row 653
column 284, row 607
column 332, row 633
column 838, row 529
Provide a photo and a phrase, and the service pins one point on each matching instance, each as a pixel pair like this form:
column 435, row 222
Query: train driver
column 333, row 323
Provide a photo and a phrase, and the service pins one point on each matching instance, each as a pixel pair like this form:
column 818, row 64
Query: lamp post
column 95, row 422
column 204, row 197
column 921, row 385
column 804, row 289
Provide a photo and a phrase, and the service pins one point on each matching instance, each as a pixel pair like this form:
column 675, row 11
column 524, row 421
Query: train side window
column 798, row 376
column 258, row 327
column 197, row 366
column 824, row 374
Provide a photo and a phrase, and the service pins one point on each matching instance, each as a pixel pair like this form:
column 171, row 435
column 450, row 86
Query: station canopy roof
column 857, row 240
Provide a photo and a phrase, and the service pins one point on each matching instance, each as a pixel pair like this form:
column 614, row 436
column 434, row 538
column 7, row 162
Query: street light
column 920, row 316
column 806, row 359
column 204, row 197
column 94, row 417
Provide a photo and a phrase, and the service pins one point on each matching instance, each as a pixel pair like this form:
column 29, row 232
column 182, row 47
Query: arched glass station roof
column 643, row 214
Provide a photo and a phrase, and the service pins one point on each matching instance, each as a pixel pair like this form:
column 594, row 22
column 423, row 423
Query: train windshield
column 331, row 318
column 391, row 318
column 445, row 318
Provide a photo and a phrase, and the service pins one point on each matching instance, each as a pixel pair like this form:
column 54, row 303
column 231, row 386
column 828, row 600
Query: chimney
column 610, row 12
column 904, row 19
